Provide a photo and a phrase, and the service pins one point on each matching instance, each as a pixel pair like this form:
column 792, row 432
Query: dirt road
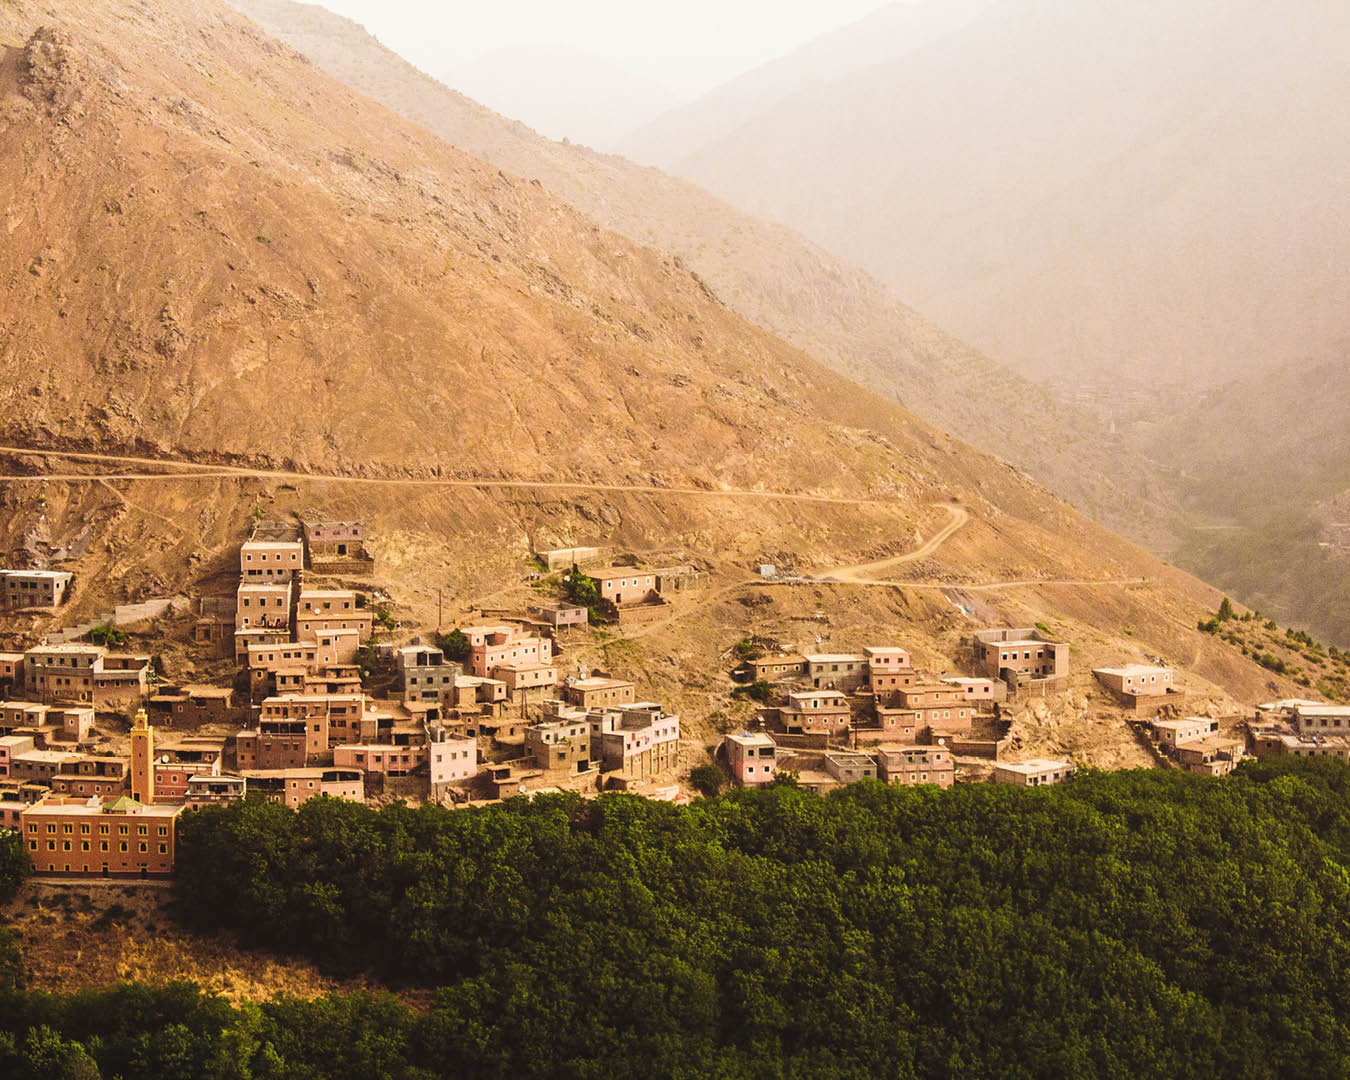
column 194, row 471
column 859, row 574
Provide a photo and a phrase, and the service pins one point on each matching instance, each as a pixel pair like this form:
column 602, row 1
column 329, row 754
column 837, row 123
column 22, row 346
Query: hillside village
column 304, row 685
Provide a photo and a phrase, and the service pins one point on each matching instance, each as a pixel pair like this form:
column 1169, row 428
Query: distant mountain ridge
column 1125, row 189
column 894, row 30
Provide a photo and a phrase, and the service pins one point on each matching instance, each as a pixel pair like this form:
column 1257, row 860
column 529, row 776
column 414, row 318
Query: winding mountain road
column 861, row 574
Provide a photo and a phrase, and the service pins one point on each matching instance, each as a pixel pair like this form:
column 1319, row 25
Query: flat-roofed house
column 752, row 758
column 193, row 705
column 11, row 672
column 940, row 707
column 1038, row 772
column 21, row 589
column 273, row 553
column 560, row 747
column 39, row 766
column 561, row 616
column 1136, row 680
column 1213, row 755
column 908, row 765
column 816, row 712
column 263, row 604
column 776, row 667
column 594, row 692
column 1175, row 733
column 979, row 691
column 93, row 774
column 1320, row 718
column 451, row 760
column 319, row 610
column 385, row 759
column 214, row 791
column 294, row 787
column 626, row 585
column 509, row 647
column 848, row 767
column 425, row 674
column 890, row 725
column 642, row 742
column 837, row 671
column 1015, row 655
column 88, row 673
column 11, row 745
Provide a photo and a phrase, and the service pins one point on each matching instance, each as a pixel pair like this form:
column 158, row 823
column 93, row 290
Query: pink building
column 1136, row 680
column 507, row 646
column 624, row 585
column 10, row 747
column 382, row 758
column 452, row 761
column 979, row 691
column 752, row 758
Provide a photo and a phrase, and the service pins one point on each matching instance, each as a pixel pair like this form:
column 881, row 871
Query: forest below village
column 1132, row 924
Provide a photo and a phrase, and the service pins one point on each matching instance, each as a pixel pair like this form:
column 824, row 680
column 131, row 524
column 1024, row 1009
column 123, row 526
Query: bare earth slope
column 769, row 274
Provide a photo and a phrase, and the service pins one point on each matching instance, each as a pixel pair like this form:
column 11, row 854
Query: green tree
column 707, row 779
column 455, row 645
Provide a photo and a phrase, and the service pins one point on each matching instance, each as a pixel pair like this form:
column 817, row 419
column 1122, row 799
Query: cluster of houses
column 842, row 717
column 322, row 708
column 304, row 719
column 1301, row 728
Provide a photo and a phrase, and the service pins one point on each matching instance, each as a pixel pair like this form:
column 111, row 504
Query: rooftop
column 57, row 806
column 1035, row 765
column 834, row 658
column 618, row 571
column 1322, row 710
column 1185, row 722
column 50, row 757
column 1131, row 669
column 757, row 738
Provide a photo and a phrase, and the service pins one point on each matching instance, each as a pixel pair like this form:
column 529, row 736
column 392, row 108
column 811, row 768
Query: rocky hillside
column 769, row 274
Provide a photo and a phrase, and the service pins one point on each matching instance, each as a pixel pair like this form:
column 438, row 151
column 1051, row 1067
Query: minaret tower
column 142, row 760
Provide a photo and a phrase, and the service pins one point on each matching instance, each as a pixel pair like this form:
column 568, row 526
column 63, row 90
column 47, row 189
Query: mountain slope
column 771, row 276
column 216, row 252
column 1144, row 191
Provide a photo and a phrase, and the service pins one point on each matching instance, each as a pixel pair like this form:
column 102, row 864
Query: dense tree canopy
column 1133, row 924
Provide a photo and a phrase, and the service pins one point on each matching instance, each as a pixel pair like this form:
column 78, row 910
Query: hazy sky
column 683, row 47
